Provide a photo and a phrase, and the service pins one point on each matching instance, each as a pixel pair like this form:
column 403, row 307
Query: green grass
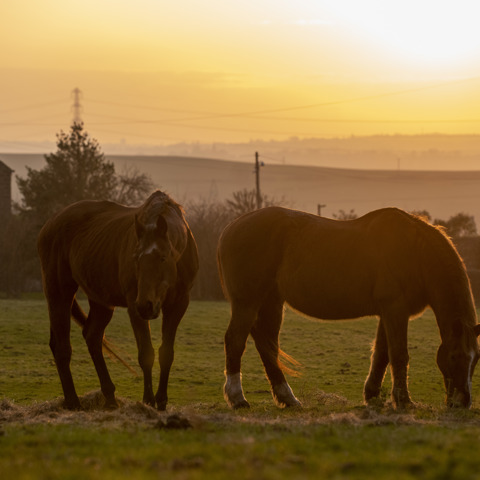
column 334, row 436
column 334, row 356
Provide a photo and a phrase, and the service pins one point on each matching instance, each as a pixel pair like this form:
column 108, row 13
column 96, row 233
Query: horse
column 142, row 258
column 387, row 263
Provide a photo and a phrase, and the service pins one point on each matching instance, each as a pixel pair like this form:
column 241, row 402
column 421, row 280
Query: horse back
column 356, row 268
column 92, row 244
column 325, row 268
column 88, row 244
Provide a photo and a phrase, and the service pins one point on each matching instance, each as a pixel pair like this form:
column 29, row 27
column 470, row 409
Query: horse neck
column 453, row 321
column 448, row 287
column 453, row 305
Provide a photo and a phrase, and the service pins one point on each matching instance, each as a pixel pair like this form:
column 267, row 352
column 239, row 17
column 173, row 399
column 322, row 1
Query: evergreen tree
column 78, row 170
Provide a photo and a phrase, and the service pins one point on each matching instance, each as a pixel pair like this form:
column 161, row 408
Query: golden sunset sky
column 160, row 72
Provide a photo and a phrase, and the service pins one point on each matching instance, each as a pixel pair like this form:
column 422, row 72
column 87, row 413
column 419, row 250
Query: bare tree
column 207, row 219
column 245, row 201
column 343, row 215
column 132, row 186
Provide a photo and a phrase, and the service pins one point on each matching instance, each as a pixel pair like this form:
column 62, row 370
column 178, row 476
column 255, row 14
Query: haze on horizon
column 156, row 72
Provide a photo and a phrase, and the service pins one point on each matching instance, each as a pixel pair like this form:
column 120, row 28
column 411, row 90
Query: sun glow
column 192, row 70
column 435, row 32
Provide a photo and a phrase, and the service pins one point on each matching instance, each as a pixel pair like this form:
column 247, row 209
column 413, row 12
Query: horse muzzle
column 148, row 310
column 459, row 399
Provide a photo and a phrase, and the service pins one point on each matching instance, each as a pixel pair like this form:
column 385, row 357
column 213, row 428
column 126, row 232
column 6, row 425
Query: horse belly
column 104, row 297
column 99, row 282
column 329, row 296
column 330, row 308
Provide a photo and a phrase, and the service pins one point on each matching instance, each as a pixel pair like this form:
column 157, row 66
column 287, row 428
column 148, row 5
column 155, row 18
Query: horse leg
column 146, row 354
column 265, row 333
column 236, row 336
column 378, row 365
column 59, row 312
column 98, row 318
column 396, row 326
column 173, row 312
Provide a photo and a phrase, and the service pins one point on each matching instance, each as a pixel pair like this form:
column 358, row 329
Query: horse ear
column 162, row 226
column 476, row 329
column 139, row 227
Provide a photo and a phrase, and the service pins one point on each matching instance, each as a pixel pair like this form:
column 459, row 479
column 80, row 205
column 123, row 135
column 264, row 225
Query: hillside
column 442, row 193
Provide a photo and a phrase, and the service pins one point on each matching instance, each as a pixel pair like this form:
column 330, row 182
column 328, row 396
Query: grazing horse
column 387, row 263
column 141, row 258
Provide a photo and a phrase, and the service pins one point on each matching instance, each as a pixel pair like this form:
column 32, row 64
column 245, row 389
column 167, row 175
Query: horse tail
column 78, row 314
column 290, row 360
column 80, row 318
column 220, row 272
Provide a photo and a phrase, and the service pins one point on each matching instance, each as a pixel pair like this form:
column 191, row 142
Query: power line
column 207, row 116
column 368, row 97
column 256, row 115
column 34, row 106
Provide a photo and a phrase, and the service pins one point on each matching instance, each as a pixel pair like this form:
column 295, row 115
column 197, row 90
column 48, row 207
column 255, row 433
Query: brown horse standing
column 141, row 258
column 386, row 263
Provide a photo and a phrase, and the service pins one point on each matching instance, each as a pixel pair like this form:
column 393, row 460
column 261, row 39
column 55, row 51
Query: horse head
column 457, row 357
column 155, row 266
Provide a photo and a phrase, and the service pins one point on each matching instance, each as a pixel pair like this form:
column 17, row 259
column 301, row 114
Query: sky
column 160, row 72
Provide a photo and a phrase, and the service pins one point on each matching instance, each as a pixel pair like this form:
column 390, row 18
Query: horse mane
column 441, row 255
column 158, row 203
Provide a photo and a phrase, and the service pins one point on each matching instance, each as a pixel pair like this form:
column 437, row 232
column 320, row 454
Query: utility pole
column 257, row 181
column 77, row 107
column 319, row 209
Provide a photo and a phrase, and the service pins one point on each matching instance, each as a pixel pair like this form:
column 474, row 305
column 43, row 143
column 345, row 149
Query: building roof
column 4, row 167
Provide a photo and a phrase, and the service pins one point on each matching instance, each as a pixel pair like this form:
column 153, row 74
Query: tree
column 132, row 186
column 245, row 201
column 207, row 218
column 77, row 170
column 423, row 214
column 459, row 225
column 343, row 215
column 17, row 257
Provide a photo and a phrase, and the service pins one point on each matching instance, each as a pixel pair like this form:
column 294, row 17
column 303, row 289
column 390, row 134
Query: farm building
column 5, row 191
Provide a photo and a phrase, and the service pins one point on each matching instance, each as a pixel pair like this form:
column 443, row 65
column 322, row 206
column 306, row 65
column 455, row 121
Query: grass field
column 334, row 436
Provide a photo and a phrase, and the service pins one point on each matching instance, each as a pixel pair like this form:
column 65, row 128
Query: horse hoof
column 405, row 406
column 284, row 397
column 111, row 404
column 149, row 400
column 72, row 405
column 375, row 402
column 402, row 402
column 241, row 404
column 371, row 394
column 294, row 404
column 162, row 406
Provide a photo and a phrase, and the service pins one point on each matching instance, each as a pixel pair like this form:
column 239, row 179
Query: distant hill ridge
column 442, row 193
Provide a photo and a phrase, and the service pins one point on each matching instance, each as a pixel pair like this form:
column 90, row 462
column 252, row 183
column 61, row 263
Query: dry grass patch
column 323, row 410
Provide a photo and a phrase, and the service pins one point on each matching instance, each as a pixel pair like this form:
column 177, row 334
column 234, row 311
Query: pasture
column 333, row 436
